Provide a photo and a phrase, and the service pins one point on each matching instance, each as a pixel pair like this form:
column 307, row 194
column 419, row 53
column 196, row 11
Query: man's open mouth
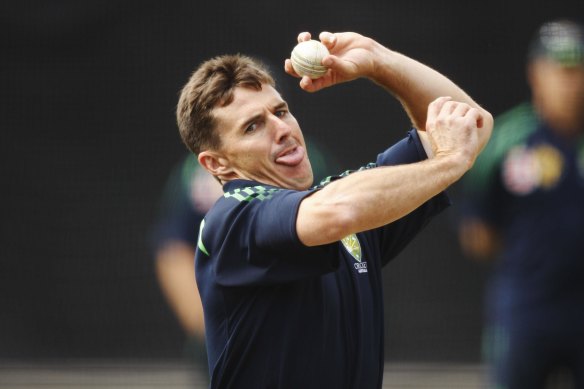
column 292, row 156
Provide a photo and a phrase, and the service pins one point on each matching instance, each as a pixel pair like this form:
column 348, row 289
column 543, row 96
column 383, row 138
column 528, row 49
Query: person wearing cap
column 524, row 206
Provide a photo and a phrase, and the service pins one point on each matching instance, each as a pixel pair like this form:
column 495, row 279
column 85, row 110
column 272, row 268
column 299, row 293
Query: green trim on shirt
column 511, row 128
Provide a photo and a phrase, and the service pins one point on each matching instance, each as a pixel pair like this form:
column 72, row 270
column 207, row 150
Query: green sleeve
column 511, row 128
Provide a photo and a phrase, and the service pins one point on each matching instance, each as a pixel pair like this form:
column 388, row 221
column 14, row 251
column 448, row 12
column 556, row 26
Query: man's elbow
column 487, row 126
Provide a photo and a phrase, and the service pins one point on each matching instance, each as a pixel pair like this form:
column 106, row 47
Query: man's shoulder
column 243, row 196
column 327, row 180
column 512, row 127
column 516, row 122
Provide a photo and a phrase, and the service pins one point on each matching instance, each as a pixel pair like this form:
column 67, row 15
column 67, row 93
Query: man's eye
column 251, row 127
column 281, row 113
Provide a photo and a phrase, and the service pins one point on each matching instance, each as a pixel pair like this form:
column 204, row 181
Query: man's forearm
column 372, row 198
column 376, row 197
column 414, row 84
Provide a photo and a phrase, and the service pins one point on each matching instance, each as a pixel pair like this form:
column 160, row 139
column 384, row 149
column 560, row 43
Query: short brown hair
column 212, row 85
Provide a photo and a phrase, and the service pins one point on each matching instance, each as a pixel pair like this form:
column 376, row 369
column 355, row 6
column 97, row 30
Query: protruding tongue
column 293, row 157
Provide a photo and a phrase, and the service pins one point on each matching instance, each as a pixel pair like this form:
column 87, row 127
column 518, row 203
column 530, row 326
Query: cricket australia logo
column 353, row 247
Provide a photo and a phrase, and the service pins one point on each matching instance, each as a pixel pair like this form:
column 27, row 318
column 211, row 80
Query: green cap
column 561, row 41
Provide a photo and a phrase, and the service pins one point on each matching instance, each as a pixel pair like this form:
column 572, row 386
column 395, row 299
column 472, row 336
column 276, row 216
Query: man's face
column 558, row 92
column 262, row 141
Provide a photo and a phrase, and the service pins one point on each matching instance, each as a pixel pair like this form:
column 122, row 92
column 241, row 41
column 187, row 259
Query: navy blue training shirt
column 279, row 314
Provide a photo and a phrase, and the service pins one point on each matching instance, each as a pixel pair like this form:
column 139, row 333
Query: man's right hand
column 350, row 58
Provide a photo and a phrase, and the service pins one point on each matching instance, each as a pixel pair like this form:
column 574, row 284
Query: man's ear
column 214, row 163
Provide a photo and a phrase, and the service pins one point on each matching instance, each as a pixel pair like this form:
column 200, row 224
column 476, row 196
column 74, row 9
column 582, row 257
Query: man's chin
column 303, row 182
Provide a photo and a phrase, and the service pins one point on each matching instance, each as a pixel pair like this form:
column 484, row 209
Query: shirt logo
column 525, row 169
column 353, row 247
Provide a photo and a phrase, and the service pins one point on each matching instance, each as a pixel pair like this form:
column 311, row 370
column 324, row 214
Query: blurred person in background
column 188, row 194
column 525, row 207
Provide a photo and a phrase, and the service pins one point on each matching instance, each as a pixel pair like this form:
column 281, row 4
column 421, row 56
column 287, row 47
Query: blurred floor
column 433, row 376
column 176, row 375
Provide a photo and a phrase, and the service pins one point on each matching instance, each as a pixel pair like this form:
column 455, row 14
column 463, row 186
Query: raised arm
column 376, row 197
column 414, row 84
column 457, row 129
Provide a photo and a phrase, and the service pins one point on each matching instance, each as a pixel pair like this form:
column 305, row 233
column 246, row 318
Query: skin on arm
column 376, row 197
column 176, row 276
column 414, row 84
column 457, row 129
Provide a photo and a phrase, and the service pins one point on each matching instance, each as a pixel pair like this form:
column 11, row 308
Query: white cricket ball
column 307, row 58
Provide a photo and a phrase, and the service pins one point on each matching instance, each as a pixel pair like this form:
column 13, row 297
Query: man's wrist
column 385, row 62
column 425, row 143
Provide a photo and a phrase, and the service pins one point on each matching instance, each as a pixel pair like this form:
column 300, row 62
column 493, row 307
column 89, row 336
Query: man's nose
column 282, row 129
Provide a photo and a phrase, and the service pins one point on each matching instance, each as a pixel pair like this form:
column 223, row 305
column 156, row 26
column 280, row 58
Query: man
column 290, row 277
column 526, row 208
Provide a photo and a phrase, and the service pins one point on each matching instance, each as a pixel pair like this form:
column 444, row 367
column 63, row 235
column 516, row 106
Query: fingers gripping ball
column 307, row 59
